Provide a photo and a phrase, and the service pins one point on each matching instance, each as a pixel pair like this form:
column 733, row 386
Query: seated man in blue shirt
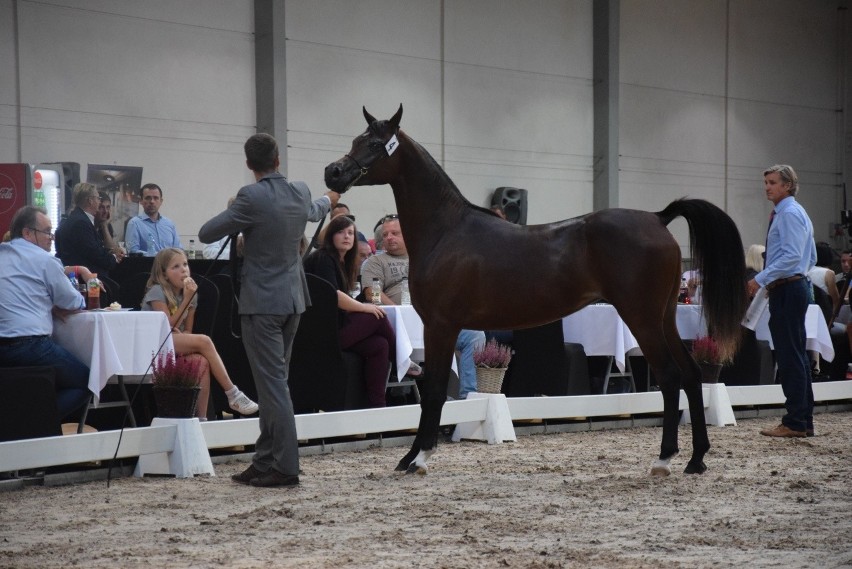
column 33, row 287
column 150, row 232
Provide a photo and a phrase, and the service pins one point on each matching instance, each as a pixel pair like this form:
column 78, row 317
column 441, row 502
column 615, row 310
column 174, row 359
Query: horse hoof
column 413, row 468
column 691, row 468
column 661, row 468
column 400, row 467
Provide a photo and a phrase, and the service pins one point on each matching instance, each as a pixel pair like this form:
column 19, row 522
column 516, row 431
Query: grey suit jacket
column 272, row 215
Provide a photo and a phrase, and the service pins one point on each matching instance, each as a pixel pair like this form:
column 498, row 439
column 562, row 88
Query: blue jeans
column 72, row 377
column 788, row 304
column 466, row 343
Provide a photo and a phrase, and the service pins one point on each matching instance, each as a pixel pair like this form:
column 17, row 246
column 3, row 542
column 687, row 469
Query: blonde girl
column 171, row 290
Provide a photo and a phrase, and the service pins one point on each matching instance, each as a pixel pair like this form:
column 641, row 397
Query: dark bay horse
column 470, row 269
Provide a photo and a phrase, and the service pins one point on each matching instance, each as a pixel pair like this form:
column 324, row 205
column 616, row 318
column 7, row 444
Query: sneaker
column 242, row 404
column 247, row 475
column 274, row 479
column 784, row 431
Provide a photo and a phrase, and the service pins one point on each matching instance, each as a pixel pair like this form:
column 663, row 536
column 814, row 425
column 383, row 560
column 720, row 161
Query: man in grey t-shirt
column 390, row 267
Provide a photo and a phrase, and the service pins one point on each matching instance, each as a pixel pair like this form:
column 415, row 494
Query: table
column 113, row 343
column 408, row 328
column 602, row 332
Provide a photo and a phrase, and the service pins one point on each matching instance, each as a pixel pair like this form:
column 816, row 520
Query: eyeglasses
column 388, row 217
column 49, row 234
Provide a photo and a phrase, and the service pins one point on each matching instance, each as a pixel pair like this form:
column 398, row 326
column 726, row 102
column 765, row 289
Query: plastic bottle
column 94, row 292
column 406, row 296
column 376, row 292
column 152, row 247
column 683, row 297
column 190, row 253
column 72, row 276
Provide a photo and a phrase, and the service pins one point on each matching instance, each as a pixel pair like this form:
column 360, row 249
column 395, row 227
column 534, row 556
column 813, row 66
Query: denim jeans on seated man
column 72, row 377
column 467, row 342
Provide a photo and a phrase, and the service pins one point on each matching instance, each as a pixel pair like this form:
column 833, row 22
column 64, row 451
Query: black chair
column 322, row 376
column 29, row 403
column 539, row 365
column 111, row 291
column 226, row 336
column 208, row 306
column 753, row 363
column 132, row 291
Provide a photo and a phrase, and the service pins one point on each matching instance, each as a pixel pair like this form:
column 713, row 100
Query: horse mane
column 441, row 175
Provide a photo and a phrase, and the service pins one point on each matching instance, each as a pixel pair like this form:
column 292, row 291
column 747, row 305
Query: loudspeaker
column 514, row 203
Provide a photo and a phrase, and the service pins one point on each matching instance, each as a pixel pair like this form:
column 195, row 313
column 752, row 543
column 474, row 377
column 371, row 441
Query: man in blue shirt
column 150, row 232
column 790, row 254
column 33, row 286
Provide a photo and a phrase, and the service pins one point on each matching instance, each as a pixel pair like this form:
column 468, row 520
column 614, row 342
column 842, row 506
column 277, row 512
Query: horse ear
column 370, row 118
column 394, row 120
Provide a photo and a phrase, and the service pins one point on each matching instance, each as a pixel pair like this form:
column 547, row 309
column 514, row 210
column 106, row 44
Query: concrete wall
column 711, row 92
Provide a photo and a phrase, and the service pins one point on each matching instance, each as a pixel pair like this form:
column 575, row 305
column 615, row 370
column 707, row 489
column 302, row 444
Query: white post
column 497, row 426
column 189, row 457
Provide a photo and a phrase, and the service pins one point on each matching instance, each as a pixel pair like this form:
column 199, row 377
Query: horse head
column 371, row 159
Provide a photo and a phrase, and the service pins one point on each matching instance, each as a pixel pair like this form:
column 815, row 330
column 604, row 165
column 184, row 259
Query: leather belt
column 17, row 339
column 785, row 280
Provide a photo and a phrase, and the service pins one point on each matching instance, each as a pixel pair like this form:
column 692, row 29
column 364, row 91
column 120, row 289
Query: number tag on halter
column 392, row 144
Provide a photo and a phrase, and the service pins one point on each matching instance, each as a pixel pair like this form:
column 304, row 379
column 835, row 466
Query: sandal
column 414, row 370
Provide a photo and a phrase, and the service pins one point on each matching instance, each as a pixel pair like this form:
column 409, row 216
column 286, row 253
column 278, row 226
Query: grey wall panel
column 139, row 85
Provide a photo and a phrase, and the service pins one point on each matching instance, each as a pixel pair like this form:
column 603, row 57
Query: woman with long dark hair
column 363, row 328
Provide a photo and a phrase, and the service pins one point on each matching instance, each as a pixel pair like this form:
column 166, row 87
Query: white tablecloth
column 113, row 343
column 410, row 345
column 602, row 332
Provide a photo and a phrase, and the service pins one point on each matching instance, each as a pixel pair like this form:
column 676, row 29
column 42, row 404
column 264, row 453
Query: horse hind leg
column 673, row 367
column 433, row 395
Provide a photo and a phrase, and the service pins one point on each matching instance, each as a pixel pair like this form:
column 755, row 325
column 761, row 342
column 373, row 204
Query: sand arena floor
column 555, row 500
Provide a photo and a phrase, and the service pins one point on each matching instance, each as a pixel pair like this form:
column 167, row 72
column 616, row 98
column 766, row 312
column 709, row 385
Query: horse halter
column 363, row 169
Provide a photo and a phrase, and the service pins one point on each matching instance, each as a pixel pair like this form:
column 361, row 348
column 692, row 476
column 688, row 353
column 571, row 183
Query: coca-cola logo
column 7, row 193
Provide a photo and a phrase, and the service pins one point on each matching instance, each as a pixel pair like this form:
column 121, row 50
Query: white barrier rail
column 70, row 449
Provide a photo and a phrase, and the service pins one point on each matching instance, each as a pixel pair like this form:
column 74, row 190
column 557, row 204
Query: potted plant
column 705, row 351
column 491, row 361
column 176, row 384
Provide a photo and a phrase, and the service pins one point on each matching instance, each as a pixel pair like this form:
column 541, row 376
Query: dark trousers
column 72, row 377
column 788, row 304
column 374, row 340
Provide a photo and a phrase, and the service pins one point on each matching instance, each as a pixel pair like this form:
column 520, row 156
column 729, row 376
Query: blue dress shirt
column 141, row 231
column 32, row 282
column 790, row 248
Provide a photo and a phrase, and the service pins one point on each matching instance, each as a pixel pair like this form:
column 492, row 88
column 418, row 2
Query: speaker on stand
column 513, row 201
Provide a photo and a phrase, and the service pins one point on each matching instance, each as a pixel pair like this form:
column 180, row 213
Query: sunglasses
column 388, row 217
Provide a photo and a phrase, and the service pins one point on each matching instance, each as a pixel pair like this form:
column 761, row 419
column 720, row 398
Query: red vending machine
column 22, row 185
column 15, row 184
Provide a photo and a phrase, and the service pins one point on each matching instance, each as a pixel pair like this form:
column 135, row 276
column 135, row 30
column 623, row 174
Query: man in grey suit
column 271, row 214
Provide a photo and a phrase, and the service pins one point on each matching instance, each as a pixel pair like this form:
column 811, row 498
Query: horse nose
column 332, row 172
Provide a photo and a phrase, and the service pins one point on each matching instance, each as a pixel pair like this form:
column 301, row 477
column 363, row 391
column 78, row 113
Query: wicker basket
column 489, row 379
column 176, row 402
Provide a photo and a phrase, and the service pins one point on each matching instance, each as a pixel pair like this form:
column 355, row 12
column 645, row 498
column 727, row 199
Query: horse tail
column 716, row 249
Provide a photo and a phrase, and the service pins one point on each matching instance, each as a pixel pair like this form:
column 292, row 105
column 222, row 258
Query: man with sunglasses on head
column 33, row 288
column 390, row 268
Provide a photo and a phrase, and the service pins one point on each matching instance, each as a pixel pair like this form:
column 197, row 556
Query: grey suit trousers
column 268, row 340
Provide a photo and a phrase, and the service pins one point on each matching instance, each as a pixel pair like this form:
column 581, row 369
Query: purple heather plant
column 705, row 350
column 492, row 354
column 171, row 371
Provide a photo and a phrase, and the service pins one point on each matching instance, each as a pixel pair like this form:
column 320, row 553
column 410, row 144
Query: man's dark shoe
column 810, row 432
column 246, row 476
column 273, row 479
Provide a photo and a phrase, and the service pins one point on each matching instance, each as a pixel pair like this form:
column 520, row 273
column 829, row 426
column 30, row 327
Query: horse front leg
column 440, row 347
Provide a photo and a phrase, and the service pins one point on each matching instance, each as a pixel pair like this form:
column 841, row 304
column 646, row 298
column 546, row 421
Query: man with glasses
column 77, row 240
column 149, row 232
column 33, row 287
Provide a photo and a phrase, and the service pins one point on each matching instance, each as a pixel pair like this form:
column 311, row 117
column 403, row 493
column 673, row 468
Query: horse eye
column 375, row 145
